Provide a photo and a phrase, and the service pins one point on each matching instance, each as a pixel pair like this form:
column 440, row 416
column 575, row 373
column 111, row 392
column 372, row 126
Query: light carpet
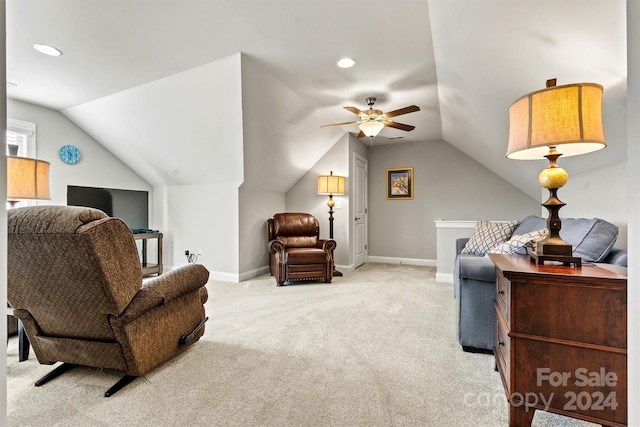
column 377, row 347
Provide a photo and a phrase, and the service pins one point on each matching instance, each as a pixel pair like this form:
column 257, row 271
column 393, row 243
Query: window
column 22, row 134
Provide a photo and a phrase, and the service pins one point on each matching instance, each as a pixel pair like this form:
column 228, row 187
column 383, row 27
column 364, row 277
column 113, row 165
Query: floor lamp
column 331, row 185
column 27, row 179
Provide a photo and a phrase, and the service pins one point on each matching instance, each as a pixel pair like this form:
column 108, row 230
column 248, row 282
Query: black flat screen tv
column 131, row 206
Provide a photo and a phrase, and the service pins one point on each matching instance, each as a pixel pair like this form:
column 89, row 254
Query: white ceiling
column 485, row 55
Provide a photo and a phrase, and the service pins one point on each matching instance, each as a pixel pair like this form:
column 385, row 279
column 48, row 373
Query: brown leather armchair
column 75, row 282
column 296, row 250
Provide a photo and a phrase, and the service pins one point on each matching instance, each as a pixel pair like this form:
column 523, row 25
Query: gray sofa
column 474, row 276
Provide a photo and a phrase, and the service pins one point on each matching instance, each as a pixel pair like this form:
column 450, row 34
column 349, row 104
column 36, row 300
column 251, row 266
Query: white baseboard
column 344, row 268
column 444, row 277
column 224, row 277
column 409, row 261
column 213, row 275
column 246, row 275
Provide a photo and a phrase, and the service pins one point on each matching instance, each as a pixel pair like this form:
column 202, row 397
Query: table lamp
column 27, row 179
column 331, row 185
column 552, row 122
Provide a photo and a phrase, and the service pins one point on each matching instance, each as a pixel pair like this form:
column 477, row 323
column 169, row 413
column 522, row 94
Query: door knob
column 357, row 218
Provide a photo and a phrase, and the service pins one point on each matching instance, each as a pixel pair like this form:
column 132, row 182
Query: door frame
column 354, row 248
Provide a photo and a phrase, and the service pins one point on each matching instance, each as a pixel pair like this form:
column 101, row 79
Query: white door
column 360, row 210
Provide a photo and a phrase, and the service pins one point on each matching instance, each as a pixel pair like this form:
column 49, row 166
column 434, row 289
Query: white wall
column 633, row 170
column 180, row 130
column 447, row 185
column 3, row 217
column 600, row 193
column 97, row 166
column 282, row 138
column 203, row 217
column 256, row 206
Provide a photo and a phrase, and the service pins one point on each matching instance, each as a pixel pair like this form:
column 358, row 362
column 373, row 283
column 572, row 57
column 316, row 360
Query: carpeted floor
column 376, row 347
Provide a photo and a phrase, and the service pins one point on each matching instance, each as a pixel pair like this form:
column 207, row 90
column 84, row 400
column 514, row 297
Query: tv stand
column 146, row 267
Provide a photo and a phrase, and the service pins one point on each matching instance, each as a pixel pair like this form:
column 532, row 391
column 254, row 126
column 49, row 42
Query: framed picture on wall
column 400, row 184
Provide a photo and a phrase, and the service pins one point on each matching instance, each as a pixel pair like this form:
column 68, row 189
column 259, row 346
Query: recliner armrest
column 165, row 288
column 276, row 245
column 327, row 244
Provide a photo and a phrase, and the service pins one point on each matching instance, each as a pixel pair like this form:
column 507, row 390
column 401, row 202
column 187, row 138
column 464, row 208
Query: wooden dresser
column 561, row 339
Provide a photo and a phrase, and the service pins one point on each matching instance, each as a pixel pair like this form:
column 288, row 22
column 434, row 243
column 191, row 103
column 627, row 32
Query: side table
column 561, row 339
column 146, row 267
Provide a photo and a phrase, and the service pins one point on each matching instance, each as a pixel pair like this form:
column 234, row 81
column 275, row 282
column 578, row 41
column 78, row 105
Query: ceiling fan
column 372, row 121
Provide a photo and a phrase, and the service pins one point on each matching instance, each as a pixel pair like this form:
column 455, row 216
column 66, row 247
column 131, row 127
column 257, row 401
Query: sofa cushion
column 529, row 224
column 598, row 241
column 592, row 239
column 521, row 243
column 487, row 235
column 304, row 256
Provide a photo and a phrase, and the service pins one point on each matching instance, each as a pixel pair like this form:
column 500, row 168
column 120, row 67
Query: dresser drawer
column 503, row 296
column 502, row 349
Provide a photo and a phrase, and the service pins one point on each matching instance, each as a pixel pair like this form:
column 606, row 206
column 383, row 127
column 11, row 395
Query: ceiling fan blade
column 361, row 134
column 400, row 126
column 354, row 110
column 405, row 110
column 338, row 124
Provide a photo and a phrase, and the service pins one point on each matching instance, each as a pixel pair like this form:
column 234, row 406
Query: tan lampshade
column 331, row 184
column 27, row 179
column 371, row 128
column 568, row 117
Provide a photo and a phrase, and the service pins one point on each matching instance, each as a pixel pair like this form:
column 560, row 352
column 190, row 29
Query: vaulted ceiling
column 463, row 62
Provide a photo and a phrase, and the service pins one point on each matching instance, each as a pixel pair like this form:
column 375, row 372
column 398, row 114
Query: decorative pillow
column 487, row 235
column 521, row 243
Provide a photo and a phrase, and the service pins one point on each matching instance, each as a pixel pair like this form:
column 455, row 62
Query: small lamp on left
column 27, row 179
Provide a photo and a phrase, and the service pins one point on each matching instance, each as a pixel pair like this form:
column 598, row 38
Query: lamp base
column 547, row 251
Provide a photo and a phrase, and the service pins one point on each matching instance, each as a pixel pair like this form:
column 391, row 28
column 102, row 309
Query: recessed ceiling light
column 47, row 50
column 346, row 63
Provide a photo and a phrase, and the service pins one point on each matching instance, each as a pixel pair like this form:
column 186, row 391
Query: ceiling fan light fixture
column 47, row 50
column 371, row 128
column 346, row 63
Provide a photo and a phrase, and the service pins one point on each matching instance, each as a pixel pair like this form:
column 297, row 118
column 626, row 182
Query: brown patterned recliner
column 296, row 250
column 75, row 282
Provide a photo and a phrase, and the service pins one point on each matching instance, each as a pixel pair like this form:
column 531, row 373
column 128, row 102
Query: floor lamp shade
column 331, row 185
column 27, row 179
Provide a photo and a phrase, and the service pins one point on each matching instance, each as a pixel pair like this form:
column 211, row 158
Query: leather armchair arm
column 327, row 244
column 276, row 246
column 164, row 288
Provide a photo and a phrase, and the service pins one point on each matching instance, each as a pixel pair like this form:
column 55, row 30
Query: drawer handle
column 501, row 292
column 501, row 343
